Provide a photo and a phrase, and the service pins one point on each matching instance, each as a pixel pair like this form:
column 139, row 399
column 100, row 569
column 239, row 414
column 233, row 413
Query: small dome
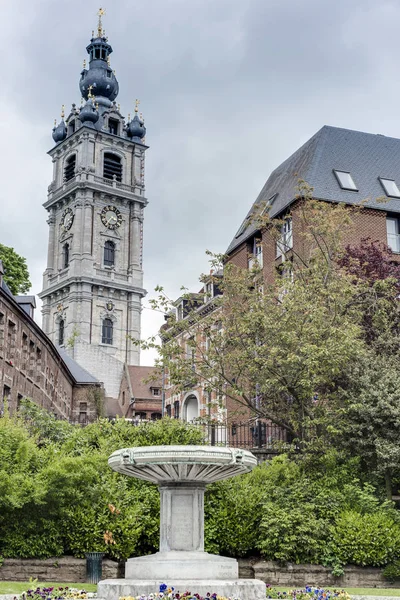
column 136, row 128
column 59, row 132
column 88, row 113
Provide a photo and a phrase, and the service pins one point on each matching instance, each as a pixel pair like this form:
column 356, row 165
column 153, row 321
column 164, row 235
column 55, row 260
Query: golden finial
column 137, row 102
column 90, row 95
column 84, row 63
column 129, row 117
column 55, row 122
column 100, row 14
column 97, row 106
column 119, row 107
column 92, row 33
column 104, row 33
column 108, row 60
column 62, row 111
column 142, row 117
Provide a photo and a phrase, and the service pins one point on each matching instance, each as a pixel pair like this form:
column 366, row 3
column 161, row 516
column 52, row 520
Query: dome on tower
column 99, row 80
column 59, row 131
column 89, row 113
column 136, row 128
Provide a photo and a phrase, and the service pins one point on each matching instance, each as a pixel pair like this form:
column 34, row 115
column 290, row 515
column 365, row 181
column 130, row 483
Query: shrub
column 370, row 539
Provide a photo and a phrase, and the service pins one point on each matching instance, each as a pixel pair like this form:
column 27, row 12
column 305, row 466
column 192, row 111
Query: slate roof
column 78, row 373
column 366, row 156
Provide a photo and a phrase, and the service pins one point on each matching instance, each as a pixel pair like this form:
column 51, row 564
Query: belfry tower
column 93, row 283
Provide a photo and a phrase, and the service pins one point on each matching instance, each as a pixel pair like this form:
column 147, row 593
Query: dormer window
column 345, row 180
column 390, row 187
column 113, row 126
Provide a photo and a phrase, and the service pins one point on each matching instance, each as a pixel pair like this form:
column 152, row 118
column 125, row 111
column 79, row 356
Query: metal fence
column 251, row 434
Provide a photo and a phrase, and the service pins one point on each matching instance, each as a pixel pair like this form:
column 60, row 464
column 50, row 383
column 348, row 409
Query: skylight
column 390, row 187
column 242, row 227
column 345, row 180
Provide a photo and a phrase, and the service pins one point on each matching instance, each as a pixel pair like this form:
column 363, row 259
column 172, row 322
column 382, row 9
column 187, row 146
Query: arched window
column 61, row 333
column 112, row 166
column 109, row 254
column 65, row 256
column 107, row 332
column 69, row 171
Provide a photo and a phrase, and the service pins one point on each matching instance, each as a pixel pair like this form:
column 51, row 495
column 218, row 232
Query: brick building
column 140, row 394
column 32, row 367
column 350, row 167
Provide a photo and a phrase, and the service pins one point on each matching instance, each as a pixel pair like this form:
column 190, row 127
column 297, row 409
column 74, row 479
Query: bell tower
column 93, row 283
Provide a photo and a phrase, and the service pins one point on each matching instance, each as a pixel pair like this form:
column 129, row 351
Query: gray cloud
column 229, row 89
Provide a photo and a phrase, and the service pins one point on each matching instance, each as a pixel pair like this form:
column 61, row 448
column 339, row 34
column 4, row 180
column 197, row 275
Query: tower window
column 107, row 332
column 69, row 171
column 113, row 126
column 109, row 254
column 61, row 333
column 65, row 256
column 112, row 166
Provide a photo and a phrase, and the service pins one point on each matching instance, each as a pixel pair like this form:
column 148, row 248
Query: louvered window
column 112, row 166
column 107, row 332
column 69, row 171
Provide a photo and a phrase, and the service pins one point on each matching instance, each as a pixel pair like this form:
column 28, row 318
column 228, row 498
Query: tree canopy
column 16, row 273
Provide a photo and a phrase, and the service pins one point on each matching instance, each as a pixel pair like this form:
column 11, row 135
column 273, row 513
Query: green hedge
column 58, row 496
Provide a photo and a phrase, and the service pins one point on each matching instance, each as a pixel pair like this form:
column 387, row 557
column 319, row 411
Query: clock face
column 111, row 217
column 67, row 219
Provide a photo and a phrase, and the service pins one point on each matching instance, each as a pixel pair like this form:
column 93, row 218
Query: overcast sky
column 228, row 88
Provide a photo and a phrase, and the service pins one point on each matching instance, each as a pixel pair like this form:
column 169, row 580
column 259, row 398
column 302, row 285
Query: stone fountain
column 182, row 473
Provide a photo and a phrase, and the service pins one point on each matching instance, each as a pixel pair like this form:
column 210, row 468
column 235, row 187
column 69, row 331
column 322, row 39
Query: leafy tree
column 369, row 421
column 280, row 349
column 16, row 273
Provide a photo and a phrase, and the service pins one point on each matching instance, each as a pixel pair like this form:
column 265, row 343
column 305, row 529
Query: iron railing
column 251, row 434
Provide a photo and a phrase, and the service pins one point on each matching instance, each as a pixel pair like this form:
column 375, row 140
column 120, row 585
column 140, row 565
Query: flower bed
column 52, row 593
column 308, row 593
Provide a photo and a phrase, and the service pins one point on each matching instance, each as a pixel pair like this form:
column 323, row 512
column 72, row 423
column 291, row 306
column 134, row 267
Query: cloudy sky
column 229, row 89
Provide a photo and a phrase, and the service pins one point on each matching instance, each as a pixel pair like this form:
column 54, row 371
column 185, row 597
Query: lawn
column 17, row 587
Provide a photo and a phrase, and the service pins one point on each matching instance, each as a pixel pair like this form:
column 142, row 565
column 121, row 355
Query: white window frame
column 285, row 242
column 393, row 237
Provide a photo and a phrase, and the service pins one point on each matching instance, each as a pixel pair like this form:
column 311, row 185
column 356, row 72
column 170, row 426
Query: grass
column 17, row 587
column 358, row 591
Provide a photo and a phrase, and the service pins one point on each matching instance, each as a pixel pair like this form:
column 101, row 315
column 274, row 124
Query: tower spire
column 101, row 13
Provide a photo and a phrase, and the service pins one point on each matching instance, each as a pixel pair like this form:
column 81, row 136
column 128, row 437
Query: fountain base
column 245, row 589
column 181, row 565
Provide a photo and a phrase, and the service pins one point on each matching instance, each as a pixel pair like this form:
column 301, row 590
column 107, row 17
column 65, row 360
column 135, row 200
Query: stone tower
column 93, row 283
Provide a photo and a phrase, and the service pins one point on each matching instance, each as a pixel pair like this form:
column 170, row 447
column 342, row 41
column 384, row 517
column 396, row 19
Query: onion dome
column 99, row 79
column 135, row 129
column 60, row 130
column 89, row 114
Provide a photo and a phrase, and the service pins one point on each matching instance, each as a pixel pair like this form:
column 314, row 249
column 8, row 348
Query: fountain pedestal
column 182, row 473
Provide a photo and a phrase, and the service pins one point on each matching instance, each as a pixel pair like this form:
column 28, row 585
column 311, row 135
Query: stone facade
column 93, row 283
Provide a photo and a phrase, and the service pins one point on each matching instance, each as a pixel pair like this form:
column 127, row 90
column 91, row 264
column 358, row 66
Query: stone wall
column 292, row 575
column 65, row 569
